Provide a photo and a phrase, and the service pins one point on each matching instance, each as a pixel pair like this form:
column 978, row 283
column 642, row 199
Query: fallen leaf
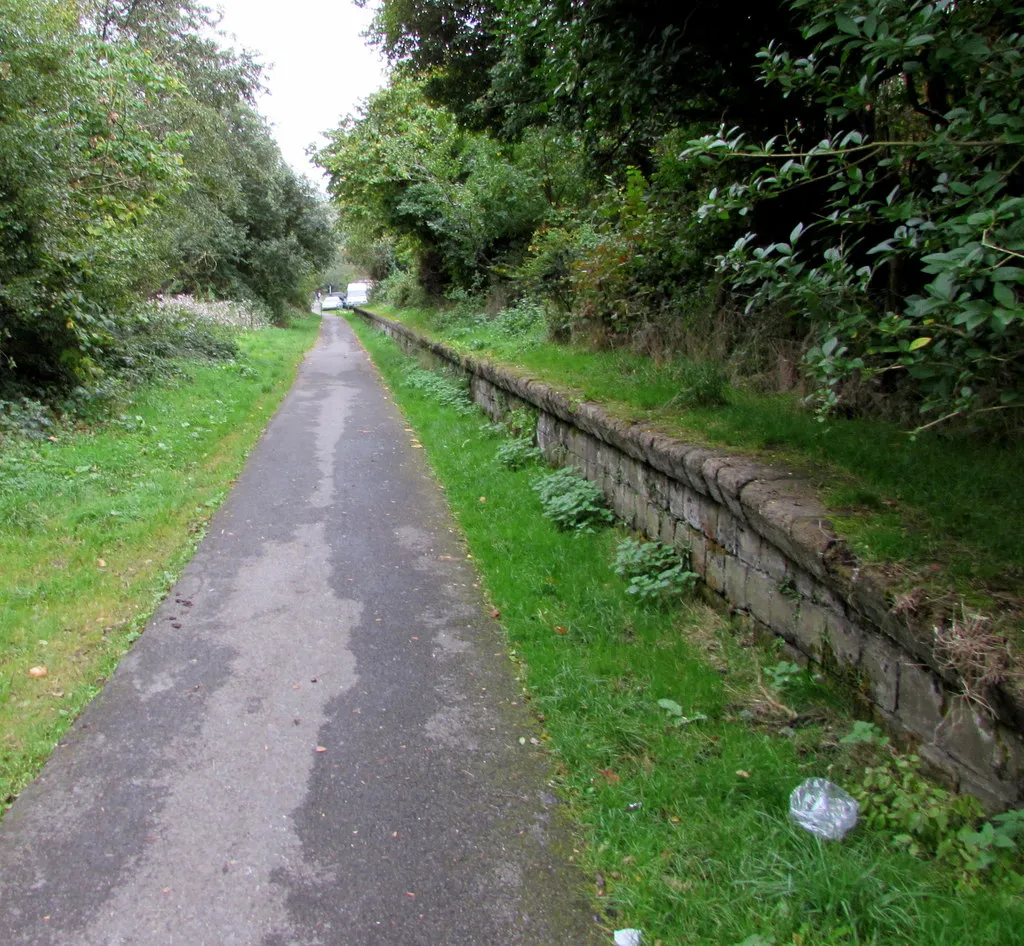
column 610, row 775
column 560, row 630
column 38, row 671
column 100, row 563
column 495, row 613
column 483, row 499
column 742, row 773
column 321, row 748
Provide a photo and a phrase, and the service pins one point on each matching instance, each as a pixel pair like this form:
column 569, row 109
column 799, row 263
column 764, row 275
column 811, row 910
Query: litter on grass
column 628, row 937
column 823, row 808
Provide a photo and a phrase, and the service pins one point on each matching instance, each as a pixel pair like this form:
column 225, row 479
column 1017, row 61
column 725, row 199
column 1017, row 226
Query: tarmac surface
column 316, row 740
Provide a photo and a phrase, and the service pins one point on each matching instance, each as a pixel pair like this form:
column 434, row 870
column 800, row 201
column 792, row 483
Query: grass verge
column 943, row 510
column 96, row 525
column 683, row 803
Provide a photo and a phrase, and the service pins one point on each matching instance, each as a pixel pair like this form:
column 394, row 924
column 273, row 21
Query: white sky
column 320, row 65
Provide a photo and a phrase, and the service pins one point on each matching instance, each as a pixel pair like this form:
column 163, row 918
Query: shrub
column 400, row 289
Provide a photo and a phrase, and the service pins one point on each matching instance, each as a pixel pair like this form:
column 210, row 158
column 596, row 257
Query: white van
column 358, row 293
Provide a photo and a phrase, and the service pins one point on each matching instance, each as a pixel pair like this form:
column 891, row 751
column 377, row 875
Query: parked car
column 332, row 301
column 358, row 294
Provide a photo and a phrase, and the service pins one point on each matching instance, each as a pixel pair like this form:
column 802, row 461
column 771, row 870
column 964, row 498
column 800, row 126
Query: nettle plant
column 654, row 571
column 915, row 261
column 572, row 502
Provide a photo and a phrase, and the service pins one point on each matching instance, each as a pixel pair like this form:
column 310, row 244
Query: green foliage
column 911, row 267
column 572, row 502
column 783, row 674
column 400, row 289
column 445, row 389
column 131, row 160
column 517, row 453
column 654, row 571
column 929, row 822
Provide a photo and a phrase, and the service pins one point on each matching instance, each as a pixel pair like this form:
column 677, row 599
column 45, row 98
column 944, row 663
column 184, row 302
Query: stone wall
column 759, row 537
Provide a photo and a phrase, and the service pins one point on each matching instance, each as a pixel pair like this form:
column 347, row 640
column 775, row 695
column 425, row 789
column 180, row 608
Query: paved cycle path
column 316, row 740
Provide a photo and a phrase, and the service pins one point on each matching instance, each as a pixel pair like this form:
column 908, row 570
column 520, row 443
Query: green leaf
column 671, row 706
column 847, row 24
column 918, row 343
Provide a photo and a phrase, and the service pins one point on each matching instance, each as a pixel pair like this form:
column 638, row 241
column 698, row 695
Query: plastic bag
column 823, row 808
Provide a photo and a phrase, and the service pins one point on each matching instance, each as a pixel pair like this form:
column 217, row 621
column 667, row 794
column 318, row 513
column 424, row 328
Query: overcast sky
column 321, row 67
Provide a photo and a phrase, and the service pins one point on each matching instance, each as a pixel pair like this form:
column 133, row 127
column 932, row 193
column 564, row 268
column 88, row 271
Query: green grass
column 685, row 828
column 935, row 500
column 96, row 524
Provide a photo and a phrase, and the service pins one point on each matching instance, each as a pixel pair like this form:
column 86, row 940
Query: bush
column 572, row 502
column 402, row 290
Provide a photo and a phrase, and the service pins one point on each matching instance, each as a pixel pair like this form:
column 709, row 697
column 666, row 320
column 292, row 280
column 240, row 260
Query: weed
column 654, row 571
column 572, row 502
column 980, row 656
column 784, row 674
column 445, row 389
column 517, row 453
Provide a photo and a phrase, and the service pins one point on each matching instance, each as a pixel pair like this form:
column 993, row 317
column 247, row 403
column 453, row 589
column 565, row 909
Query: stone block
column 971, row 738
column 785, row 608
column 748, row 547
column 736, row 582
column 844, row 639
column 714, row 568
column 727, row 530
column 921, row 700
column 658, row 488
column 709, row 471
column 677, row 493
column 693, row 544
column 652, row 527
column 880, row 662
column 623, row 502
column 667, row 533
column 701, row 513
column 809, row 629
column 693, row 462
column 761, row 592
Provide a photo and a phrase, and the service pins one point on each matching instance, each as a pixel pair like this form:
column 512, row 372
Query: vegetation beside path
column 676, row 738
column 97, row 521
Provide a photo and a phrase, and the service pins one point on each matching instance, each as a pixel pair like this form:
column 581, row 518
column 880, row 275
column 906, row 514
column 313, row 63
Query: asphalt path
column 319, row 739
